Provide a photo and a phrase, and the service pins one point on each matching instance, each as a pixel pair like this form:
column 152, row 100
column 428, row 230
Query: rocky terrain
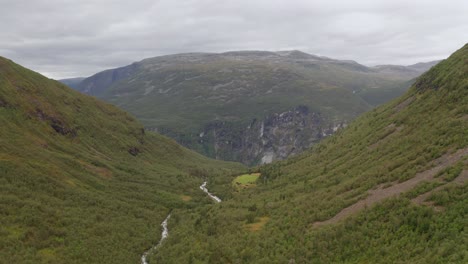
column 277, row 136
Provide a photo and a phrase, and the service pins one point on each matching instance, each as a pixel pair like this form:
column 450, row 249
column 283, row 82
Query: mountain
column 391, row 187
column 383, row 95
column 80, row 180
column 405, row 72
column 72, row 82
column 423, row 66
column 247, row 106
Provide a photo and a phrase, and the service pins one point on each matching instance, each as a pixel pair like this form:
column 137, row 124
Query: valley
column 391, row 186
column 306, row 159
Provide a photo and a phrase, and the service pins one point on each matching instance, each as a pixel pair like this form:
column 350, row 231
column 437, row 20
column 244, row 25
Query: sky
column 71, row 38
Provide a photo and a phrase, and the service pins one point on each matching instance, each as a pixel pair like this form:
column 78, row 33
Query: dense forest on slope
column 248, row 106
column 80, row 180
column 390, row 188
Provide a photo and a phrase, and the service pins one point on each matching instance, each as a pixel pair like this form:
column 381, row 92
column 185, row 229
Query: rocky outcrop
column 134, row 151
column 57, row 124
column 275, row 137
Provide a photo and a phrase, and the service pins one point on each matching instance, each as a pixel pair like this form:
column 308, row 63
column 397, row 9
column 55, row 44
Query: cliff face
column 275, row 137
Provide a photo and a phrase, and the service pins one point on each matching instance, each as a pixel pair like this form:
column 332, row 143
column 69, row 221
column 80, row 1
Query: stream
column 165, row 231
column 164, row 235
column 203, row 188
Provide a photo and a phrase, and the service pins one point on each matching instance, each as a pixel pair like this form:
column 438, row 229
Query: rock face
column 275, row 137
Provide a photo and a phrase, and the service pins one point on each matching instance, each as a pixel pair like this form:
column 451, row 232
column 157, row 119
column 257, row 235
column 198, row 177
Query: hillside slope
column 80, row 180
column 248, row 106
column 392, row 187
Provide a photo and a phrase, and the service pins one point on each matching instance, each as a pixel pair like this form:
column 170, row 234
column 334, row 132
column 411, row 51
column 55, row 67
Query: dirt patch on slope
column 257, row 226
column 186, row 198
column 393, row 129
column 101, row 171
column 422, row 199
column 403, row 104
column 382, row 193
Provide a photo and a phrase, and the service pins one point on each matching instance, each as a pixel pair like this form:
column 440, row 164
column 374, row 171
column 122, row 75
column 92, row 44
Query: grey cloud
column 63, row 38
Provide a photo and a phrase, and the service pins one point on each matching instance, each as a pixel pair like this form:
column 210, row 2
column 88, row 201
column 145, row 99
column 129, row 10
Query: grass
column 245, row 181
column 258, row 224
column 186, row 198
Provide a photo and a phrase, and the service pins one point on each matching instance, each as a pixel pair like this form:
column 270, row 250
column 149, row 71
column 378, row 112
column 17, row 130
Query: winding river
column 164, row 235
column 203, row 188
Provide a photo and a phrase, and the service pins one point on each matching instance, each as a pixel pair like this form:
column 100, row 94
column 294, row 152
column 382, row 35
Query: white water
column 164, row 235
column 203, row 188
column 165, row 231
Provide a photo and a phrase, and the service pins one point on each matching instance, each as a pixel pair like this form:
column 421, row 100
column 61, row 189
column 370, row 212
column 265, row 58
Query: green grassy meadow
column 245, row 180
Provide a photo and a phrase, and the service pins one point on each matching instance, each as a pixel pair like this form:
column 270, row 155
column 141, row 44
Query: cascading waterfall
column 203, row 188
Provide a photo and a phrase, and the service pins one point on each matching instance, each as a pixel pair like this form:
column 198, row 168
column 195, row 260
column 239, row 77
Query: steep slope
column 80, row 180
column 392, row 187
column 248, row 106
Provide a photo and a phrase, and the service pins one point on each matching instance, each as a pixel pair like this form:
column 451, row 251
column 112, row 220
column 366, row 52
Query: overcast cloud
column 70, row 38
